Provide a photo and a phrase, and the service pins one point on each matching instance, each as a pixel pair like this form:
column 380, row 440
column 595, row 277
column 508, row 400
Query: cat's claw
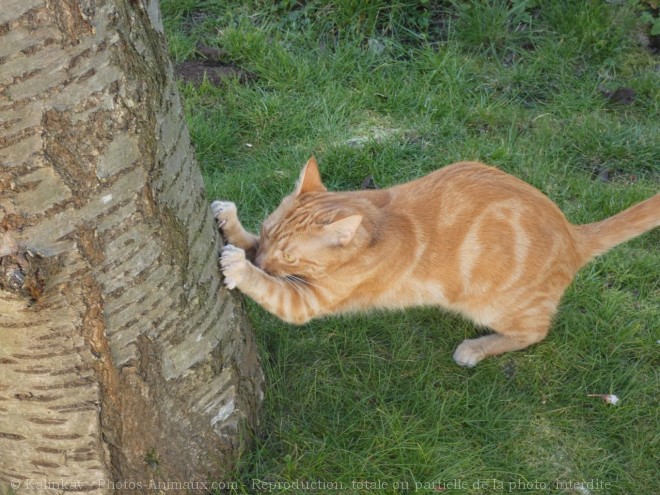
column 234, row 265
column 468, row 353
column 223, row 211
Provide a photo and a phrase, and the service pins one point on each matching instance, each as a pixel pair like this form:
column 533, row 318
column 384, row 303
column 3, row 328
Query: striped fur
column 467, row 237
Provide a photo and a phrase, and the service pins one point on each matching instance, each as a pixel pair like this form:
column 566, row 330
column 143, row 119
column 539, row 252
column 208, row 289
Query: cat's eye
column 288, row 258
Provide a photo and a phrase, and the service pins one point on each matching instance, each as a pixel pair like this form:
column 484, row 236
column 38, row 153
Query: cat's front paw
column 224, row 212
column 234, row 266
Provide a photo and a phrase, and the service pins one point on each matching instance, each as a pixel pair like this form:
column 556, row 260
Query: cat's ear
column 341, row 232
column 310, row 179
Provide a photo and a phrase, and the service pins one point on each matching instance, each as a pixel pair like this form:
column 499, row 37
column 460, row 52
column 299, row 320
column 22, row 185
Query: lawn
column 374, row 403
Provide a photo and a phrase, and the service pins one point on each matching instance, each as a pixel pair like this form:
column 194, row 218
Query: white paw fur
column 223, row 211
column 234, row 265
column 469, row 353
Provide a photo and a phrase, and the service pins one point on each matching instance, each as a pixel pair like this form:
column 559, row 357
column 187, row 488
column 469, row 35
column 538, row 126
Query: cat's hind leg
column 227, row 217
column 471, row 351
column 512, row 334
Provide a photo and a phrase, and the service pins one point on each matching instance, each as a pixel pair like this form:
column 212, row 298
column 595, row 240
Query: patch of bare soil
column 195, row 71
column 211, row 67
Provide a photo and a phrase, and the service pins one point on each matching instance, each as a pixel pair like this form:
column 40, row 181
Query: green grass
column 373, row 403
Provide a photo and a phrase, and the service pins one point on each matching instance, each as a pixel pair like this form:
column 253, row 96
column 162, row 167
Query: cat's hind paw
column 469, row 353
column 223, row 211
column 234, row 265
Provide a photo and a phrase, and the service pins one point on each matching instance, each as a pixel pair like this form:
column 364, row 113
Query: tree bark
column 123, row 361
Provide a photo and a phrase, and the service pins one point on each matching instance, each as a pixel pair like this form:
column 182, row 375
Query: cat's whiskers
column 297, row 282
column 294, row 284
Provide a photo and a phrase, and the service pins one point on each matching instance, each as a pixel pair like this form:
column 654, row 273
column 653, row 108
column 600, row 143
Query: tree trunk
column 123, row 361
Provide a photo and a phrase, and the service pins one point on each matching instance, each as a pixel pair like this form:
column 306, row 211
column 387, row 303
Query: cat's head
column 309, row 232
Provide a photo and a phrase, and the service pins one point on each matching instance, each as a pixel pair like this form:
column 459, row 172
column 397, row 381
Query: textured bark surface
column 122, row 359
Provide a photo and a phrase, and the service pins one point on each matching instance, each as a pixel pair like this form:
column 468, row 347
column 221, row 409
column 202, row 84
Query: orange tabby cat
column 467, row 237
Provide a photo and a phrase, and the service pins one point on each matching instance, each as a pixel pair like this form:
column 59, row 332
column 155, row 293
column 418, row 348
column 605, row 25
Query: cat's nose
column 259, row 260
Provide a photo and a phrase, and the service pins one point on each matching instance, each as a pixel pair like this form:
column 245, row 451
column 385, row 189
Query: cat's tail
column 599, row 237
